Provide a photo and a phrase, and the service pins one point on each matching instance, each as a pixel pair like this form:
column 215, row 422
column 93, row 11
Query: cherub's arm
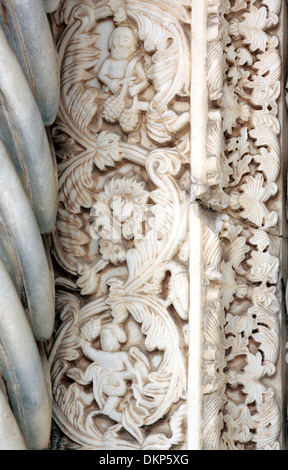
column 88, row 351
column 103, row 76
column 143, row 82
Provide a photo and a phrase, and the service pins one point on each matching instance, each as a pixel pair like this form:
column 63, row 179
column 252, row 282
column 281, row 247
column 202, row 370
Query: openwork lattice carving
column 242, row 329
column 119, row 356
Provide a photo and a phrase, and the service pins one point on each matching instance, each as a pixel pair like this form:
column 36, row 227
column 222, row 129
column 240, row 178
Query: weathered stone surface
column 122, row 140
column 28, row 203
column 24, row 136
column 25, row 238
column 10, row 434
column 239, row 181
column 27, row 29
column 50, row 5
column 22, row 369
column 170, row 233
column 151, row 342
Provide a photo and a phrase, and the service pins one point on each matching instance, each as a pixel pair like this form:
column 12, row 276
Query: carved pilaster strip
column 242, row 406
column 119, row 357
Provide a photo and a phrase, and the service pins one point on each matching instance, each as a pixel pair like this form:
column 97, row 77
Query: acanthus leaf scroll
column 119, row 356
column 242, row 407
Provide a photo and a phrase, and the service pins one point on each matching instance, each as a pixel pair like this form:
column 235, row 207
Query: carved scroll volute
column 122, row 138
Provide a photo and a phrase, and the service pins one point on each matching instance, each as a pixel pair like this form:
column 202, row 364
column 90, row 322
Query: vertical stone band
column 243, row 228
column 170, row 225
column 29, row 94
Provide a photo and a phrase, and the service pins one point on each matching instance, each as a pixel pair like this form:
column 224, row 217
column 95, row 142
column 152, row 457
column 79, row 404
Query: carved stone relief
column 29, row 99
column 242, row 249
column 119, row 356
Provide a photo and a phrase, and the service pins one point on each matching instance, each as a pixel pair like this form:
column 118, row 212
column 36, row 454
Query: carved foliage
column 118, row 360
column 241, row 338
column 244, row 70
column 241, row 259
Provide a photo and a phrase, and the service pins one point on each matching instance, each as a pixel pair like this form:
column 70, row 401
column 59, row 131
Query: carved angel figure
column 111, row 368
column 125, row 77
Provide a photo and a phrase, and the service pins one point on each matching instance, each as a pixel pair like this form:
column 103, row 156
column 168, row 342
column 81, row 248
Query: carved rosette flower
column 118, row 216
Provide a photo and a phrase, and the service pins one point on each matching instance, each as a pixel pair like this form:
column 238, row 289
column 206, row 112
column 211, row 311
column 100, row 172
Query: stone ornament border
column 238, row 218
column 120, row 353
column 234, row 373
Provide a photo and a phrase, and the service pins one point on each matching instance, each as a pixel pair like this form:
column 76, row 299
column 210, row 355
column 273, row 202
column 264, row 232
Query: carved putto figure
column 125, row 77
column 111, row 368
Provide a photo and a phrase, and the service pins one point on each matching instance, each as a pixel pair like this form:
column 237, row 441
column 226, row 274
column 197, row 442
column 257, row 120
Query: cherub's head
column 112, row 335
column 91, row 329
column 122, row 43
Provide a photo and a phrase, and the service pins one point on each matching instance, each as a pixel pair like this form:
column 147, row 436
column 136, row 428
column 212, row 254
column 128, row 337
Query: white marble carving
column 119, row 358
column 29, row 95
column 242, row 407
column 122, row 137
